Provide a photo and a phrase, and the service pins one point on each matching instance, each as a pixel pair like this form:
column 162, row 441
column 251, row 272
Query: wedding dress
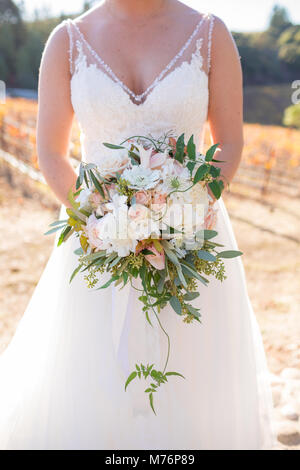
column 62, row 376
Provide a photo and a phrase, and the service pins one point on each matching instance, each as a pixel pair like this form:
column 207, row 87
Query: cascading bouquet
column 144, row 212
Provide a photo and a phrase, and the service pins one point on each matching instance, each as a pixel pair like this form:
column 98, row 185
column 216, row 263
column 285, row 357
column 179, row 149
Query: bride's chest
column 180, row 99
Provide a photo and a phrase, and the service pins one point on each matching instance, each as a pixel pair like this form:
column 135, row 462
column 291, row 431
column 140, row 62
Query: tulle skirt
column 62, row 376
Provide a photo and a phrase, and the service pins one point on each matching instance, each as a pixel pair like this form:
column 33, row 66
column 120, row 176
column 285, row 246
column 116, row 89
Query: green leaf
column 125, row 277
column 181, row 276
column 195, row 274
column 71, row 200
column 229, row 254
column 147, row 252
column 176, row 305
column 131, row 377
column 92, row 256
column 116, row 261
column 161, row 282
column 190, row 166
column 79, row 251
column 191, row 295
column 179, row 155
column 151, row 402
column 148, row 319
column 193, row 311
column 206, row 256
column 64, row 235
column 171, row 255
column 53, row 230
column 98, row 185
column 75, row 272
column 108, row 283
column 58, row 222
column 210, row 153
column 78, row 183
column 215, row 171
column 191, row 148
column 215, row 188
column 208, row 234
column 112, row 146
column 174, row 373
column 200, row 173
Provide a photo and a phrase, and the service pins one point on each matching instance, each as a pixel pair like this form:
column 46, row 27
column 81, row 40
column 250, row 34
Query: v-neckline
column 156, row 80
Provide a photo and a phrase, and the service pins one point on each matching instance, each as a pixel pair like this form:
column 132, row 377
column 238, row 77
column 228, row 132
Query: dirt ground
column 267, row 231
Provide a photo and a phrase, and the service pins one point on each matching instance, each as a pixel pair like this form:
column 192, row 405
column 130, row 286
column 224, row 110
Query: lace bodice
column 108, row 111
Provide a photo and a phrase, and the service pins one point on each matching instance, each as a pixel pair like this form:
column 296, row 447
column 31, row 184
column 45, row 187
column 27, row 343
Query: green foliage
column 266, row 104
column 291, row 116
column 289, row 47
column 279, row 19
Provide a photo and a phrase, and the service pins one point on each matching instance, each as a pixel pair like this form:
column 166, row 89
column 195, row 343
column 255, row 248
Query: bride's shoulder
column 219, row 27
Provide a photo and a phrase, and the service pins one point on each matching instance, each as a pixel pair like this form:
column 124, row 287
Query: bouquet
column 144, row 212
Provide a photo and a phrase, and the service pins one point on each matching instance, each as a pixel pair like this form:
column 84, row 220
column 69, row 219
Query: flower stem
column 168, row 338
column 141, row 137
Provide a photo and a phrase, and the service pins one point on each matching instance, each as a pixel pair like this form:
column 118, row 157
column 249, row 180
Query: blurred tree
column 279, row 20
column 289, row 47
column 12, row 35
column 291, row 116
column 88, row 4
column 28, row 60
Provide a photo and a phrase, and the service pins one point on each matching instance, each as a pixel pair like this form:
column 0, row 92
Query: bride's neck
column 124, row 9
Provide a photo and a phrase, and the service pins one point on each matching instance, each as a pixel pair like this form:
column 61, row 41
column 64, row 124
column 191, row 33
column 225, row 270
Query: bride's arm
column 55, row 116
column 225, row 113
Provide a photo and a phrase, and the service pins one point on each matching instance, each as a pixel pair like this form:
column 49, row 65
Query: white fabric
column 61, row 381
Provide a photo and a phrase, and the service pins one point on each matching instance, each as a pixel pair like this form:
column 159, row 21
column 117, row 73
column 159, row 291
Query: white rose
column 83, row 198
column 114, row 162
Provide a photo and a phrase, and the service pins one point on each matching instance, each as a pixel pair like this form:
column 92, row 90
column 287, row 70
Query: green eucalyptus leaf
column 191, row 296
column 206, row 256
column 194, row 311
column 112, row 146
column 58, row 222
column 206, row 234
column 176, row 305
column 53, row 230
column 63, row 235
column 229, row 254
column 108, row 283
column 75, row 272
column 97, row 184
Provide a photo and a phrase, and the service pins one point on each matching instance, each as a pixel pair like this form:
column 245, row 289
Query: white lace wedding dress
column 62, row 376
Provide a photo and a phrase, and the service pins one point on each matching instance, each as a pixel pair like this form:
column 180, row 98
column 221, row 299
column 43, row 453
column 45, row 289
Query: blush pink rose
column 159, row 198
column 210, row 220
column 138, row 212
column 96, row 199
column 157, row 259
column 142, row 197
column 157, row 160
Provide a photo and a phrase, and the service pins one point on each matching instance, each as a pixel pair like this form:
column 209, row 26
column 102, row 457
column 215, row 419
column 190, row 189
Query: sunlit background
column 238, row 15
column 263, row 201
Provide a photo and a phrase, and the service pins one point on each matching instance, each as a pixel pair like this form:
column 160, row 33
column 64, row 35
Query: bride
column 130, row 67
